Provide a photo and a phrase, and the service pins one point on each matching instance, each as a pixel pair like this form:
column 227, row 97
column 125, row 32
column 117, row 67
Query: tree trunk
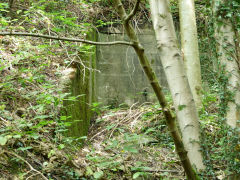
column 189, row 45
column 227, row 56
column 174, row 69
column 156, row 87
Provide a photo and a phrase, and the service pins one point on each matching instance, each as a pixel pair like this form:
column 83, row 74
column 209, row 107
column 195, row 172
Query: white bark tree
column 189, row 46
column 146, row 65
column 228, row 58
column 178, row 83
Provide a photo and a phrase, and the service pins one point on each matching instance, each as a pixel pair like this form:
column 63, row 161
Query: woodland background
column 120, row 142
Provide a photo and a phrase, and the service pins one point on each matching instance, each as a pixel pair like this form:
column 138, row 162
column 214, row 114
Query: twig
column 161, row 170
column 3, row 119
column 133, row 12
column 32, row 108
column 123, row 120
column 135, row 119
column 97, row 134
column 130, row 109
column 32, row 176
column 29, row 165
column 65, row 39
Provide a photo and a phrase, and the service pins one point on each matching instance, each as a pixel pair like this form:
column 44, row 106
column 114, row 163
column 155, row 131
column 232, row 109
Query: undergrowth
column 32, row 141
column 127, row 143
column 30, row 101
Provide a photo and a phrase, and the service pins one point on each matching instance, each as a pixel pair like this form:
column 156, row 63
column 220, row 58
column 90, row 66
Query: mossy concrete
column 121, row 78
column 80, row 83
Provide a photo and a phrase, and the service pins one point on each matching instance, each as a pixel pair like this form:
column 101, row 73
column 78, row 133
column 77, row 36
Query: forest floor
column 129, row 144
column 123, row 143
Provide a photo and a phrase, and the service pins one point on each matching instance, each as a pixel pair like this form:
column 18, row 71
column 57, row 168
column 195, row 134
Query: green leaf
column 17, row 136
column 89, row 171
column 181, row 107
column 34, row 136
column 130, row 148
column 19, row 11
column 3, row 140
column 83, row 137
column 150, row 130
column 63, row 118
column 51, row 153
column 74, row 98
column 24, row 148
column 67, row 124
column 110, row 127
column 61, row 146
column 137, row 174
column 2, row 107
column 98, row 175
column 41, row 117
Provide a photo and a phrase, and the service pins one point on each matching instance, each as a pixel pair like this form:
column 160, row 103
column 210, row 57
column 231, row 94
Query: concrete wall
column 121, row 78
column 77, row 106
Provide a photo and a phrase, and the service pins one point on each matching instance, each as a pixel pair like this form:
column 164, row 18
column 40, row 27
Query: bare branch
column 29, row 165
column 133, row 12
column 161, row 170
column 66, row 39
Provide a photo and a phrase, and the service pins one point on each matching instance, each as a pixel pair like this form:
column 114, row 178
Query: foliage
column 230, row 9
column 133, row 141
column 129, row 147
column 31, row 96
column 30, row 105
column 220, row 143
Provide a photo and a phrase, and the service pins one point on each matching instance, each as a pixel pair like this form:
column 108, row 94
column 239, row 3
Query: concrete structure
column 80, row 86
column 121, row 78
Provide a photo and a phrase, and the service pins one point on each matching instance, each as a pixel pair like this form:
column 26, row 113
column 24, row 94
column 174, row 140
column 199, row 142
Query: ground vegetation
column 123, row 143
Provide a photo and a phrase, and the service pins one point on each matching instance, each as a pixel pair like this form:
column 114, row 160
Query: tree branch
column 66, row 39
column 133, row 12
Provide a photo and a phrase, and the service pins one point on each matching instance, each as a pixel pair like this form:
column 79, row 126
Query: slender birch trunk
column 227, row 56
column 178, row 83
column 189, row 45
column 170, row 120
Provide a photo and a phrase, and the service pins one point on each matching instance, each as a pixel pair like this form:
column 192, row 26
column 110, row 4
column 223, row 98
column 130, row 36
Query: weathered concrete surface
column 121, row 78
column 79, row 82
column 76, row 104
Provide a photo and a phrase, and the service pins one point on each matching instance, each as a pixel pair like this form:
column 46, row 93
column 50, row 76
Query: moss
column 81, row 86
column 92, row 35
column 76, row 108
